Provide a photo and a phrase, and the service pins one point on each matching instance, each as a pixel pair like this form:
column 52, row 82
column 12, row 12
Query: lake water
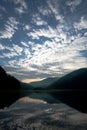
column 42, row 111
column 32, row 114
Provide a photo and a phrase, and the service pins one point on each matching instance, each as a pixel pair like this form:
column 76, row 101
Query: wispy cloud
column 1, row 47
column 37, row 20
column 4, row 47
column 27, row 27
column 58, row 35
column 54, row 7
column 21, row 6
column 49, row 33
column 82, row 24
column 45, row 11
column 73, row 4
column 52, row 58
column 9, row 28
column 52, row 43
column 17, row 49
column 25, row 44
column 85, row 34
column 9, row 54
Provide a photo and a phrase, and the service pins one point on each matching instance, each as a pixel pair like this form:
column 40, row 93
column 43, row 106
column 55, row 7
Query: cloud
column 54, row 7
column 12, row 64
column 82, row 24
column 9, row 52
column 1, row 47
column 52, row 58
column 21, row 6
column 25, row 44
column 5, row 47
column 27, row 53
column 73, row 4
column 10, row 28
column 85, row 34
column 45, row 11
column 9, row 55
column 49, row 11
column 8, row 48
column 17, row 49
column 36, row 34
column 58, row 35
column 27, row 27
column 37, row 20
column 54, row 43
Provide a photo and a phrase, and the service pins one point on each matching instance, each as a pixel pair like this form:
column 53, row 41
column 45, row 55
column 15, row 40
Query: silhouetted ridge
column 44, row 83
column 74, row 80
column 72, row 89
column 10, row 89
column 2, row 73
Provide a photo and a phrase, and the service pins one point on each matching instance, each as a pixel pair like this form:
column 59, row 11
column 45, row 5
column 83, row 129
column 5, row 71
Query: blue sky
column 42, row 38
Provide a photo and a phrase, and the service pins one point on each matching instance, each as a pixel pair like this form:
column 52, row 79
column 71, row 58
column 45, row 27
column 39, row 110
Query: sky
column 42, row 38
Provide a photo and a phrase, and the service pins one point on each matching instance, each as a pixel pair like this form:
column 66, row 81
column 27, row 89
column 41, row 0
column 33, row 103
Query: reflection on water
column 30, row 113
column 43, row 96
column 74, row 98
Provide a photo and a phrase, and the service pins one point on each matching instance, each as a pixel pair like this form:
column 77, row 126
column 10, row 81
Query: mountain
column 10, row 89
column 74, row 80
column 26, row 86
column 43, row 83
column 72, row 89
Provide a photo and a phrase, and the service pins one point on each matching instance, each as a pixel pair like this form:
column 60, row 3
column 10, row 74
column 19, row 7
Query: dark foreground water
column 34, row 113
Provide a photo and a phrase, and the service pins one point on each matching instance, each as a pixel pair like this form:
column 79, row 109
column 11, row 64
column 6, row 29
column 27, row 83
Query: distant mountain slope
column 10, row 89
column 25, row 85
column 8, row 81
column 44, row 83
column 74, row 80
column 72, row 89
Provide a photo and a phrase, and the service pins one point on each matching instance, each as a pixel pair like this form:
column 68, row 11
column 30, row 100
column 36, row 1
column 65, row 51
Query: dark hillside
column 74, row 80
column 72, row 89
column 10, row 89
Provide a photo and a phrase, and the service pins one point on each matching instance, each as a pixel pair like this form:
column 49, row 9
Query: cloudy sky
column 42, row 38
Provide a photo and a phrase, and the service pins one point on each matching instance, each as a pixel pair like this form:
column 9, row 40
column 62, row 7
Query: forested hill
column 74, row 80
column 8, row 81
column 10, row 89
